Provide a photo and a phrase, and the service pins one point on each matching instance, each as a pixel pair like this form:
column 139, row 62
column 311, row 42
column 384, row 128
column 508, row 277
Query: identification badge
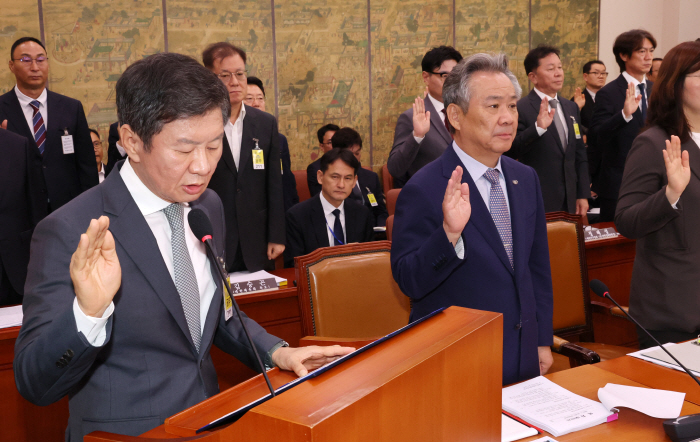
column 67, row 142
column 258, row 160
column 228, row 305
column 576, row 129
column 372, row 199
column 281, row 167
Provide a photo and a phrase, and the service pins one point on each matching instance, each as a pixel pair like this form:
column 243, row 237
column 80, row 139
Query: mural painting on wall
column 325, row 54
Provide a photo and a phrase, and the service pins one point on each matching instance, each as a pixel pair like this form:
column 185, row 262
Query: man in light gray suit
column 131, row 351
column 421, row 135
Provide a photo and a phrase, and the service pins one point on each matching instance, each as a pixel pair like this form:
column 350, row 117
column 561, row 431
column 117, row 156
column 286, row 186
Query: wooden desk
column 630, row 426
column 277, row 311
column 611, row 261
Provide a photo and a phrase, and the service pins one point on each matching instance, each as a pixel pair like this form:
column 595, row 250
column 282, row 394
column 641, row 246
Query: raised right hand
column 631, row 101
column 677, row 169
column 545, row 117
column 456, row 208
column 579, row 98
column 95, row 269
column 421, row 118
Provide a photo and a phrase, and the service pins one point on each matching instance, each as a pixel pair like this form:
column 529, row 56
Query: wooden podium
column 440, row 380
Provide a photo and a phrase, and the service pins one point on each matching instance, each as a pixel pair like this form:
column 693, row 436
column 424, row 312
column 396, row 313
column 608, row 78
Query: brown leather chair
column 391, row 197
column 349, row 292
column 387, row 179
column 573, row 326
column 302, row 185
column 389, row 227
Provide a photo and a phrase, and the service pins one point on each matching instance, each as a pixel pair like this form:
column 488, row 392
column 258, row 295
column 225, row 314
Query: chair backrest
column 349, row 292
column 391, row 197
column 302, row 185
column 389, row 227
column 387, row 179
column 567, row 257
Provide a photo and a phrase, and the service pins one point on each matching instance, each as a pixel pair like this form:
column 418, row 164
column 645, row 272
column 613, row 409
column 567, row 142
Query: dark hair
column 587, row 67
column 628, row 42
column 255, row 81
column 666, row 100
column 346, row 138
column 335, row 154
column 165, row 87
column 96, row 133
column 434, row 58
column 532, row 59
column 322, row 131
column 219, row 51
column 24, row 40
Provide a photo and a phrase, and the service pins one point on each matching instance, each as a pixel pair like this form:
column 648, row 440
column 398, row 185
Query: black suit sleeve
column 379, row 211
column 527, row 133
column 275, row 202
column 295, row 239
column 583, row 180
column 84, row 152
column 312, row 180
column 113, row 154
column 36, row 187
column 291, row 197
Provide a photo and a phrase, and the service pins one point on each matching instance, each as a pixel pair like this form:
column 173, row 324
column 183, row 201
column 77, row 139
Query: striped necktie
column 39, row 129
column 499, row 211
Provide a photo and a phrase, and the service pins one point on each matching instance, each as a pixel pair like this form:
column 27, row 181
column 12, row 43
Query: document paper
column 688, row 353
column 11, row 316
column 661, row 404
column 512, row 430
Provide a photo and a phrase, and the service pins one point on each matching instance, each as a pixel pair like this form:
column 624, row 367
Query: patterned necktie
column 558, row 124
column 499, row 211
column 337, row 229
column 643, row 103
column 183, row 270
column 39, row 129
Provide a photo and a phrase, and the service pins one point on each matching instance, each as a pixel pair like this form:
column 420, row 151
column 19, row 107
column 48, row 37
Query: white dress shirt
column 234, row 134
column 439, row 106
column 151, row 207
column 28, row 110
column 101, row 173
column 558, row 114
column 592, row 94
column 636, row 83
column 477, row 170
column 328, row 209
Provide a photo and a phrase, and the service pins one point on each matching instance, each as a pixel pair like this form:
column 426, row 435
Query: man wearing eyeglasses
column 594, row 75
column 324, row 134
column 421, row 135
column 54, row 124
column 248, row 178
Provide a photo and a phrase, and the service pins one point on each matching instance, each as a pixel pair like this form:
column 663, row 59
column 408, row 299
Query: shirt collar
column 543, row 95
column 25, row 100
column 438, row 105
column 631, row 79
column 146, row 200
column 241, row 116
column 592, row 94
column 475, row 168
column 328, row 208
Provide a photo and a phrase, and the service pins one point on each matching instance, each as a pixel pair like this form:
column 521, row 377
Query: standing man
column 469, row 228
column 329, row 218
column 620, row 113
column 248, row 177
column 324, row 134
column 594, row 75
column 421, row 135
column 54, row 124
column 549, row 136
column 97, row 145
column 122, row 304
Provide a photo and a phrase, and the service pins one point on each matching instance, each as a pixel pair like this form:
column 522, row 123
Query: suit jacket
column 66, row 176
column 665, row 288
column 113, row 154
column 148, row 367
column 407, row 156
column 563, row 173
column 307, row 229
column 613, row 135
column 252, row 198
column 22, row 205
column 586, row 111
column 369, row 183
column 427, row 269
column 289, row 183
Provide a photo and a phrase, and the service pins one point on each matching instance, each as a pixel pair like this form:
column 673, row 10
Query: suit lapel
column 436, row 121
column 517, row 198
column 131, row 231
column 569, row 118
column 247, row 143
column 227, row 157
column 318, row 221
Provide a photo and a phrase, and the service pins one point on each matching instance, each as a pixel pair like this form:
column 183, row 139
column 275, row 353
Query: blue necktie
column 644, row 102
column 337, row 229
column 499, row 211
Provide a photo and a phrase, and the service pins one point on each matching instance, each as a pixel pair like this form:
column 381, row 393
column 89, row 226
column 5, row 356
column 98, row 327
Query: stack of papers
column 645, row 356
column 248, row 276
column 661, row 404
column 552, row 408
column 11, row 316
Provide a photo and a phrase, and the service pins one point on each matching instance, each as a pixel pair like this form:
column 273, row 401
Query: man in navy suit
column 122, row 305
column 549, row 135
column 620, row 114
column 469, row 228
column 49, row 120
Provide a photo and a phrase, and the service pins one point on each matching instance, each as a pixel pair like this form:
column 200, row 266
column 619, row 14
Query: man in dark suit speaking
column 124, row 326
column 469, row 228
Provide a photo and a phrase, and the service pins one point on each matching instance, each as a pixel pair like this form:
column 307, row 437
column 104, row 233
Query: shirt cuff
column 269, row 365
column 419, row 139
column 627, row 120
column 94, row 329
column 459, row 248
column 540, row 131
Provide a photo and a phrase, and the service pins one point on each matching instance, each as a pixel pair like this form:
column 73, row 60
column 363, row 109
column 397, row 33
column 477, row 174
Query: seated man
column 329, row 218
column 97, row 145
column 368, row 188
column 324, row 134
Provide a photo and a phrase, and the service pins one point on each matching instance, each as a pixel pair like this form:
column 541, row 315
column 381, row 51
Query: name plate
column 256, row 285
column 594, row 234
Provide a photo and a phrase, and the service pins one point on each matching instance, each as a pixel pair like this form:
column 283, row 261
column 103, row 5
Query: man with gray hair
column 479, row 239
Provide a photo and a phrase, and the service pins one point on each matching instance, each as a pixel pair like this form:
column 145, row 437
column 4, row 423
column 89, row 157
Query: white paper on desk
column 11, row 316
column 688, row 353
column 512, row 430
column 640, row 355
column 248, row 276
column 662, row 404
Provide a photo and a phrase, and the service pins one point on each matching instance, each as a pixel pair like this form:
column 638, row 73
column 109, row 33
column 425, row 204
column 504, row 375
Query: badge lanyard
column 342, row 243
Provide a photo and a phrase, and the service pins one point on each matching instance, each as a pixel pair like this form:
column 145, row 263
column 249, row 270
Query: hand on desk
column 301, row 360
column 95, row 269
column 545, row 355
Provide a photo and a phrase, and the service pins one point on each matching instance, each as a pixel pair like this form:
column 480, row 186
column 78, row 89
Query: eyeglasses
column 97, row 143
column 226, row 76
column 442, row 75
column 28, row 60
column 252, row 99
column 598, row 74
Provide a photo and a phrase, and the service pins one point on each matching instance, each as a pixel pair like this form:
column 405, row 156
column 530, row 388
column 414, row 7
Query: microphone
column 683, row 428
column 202, row 229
